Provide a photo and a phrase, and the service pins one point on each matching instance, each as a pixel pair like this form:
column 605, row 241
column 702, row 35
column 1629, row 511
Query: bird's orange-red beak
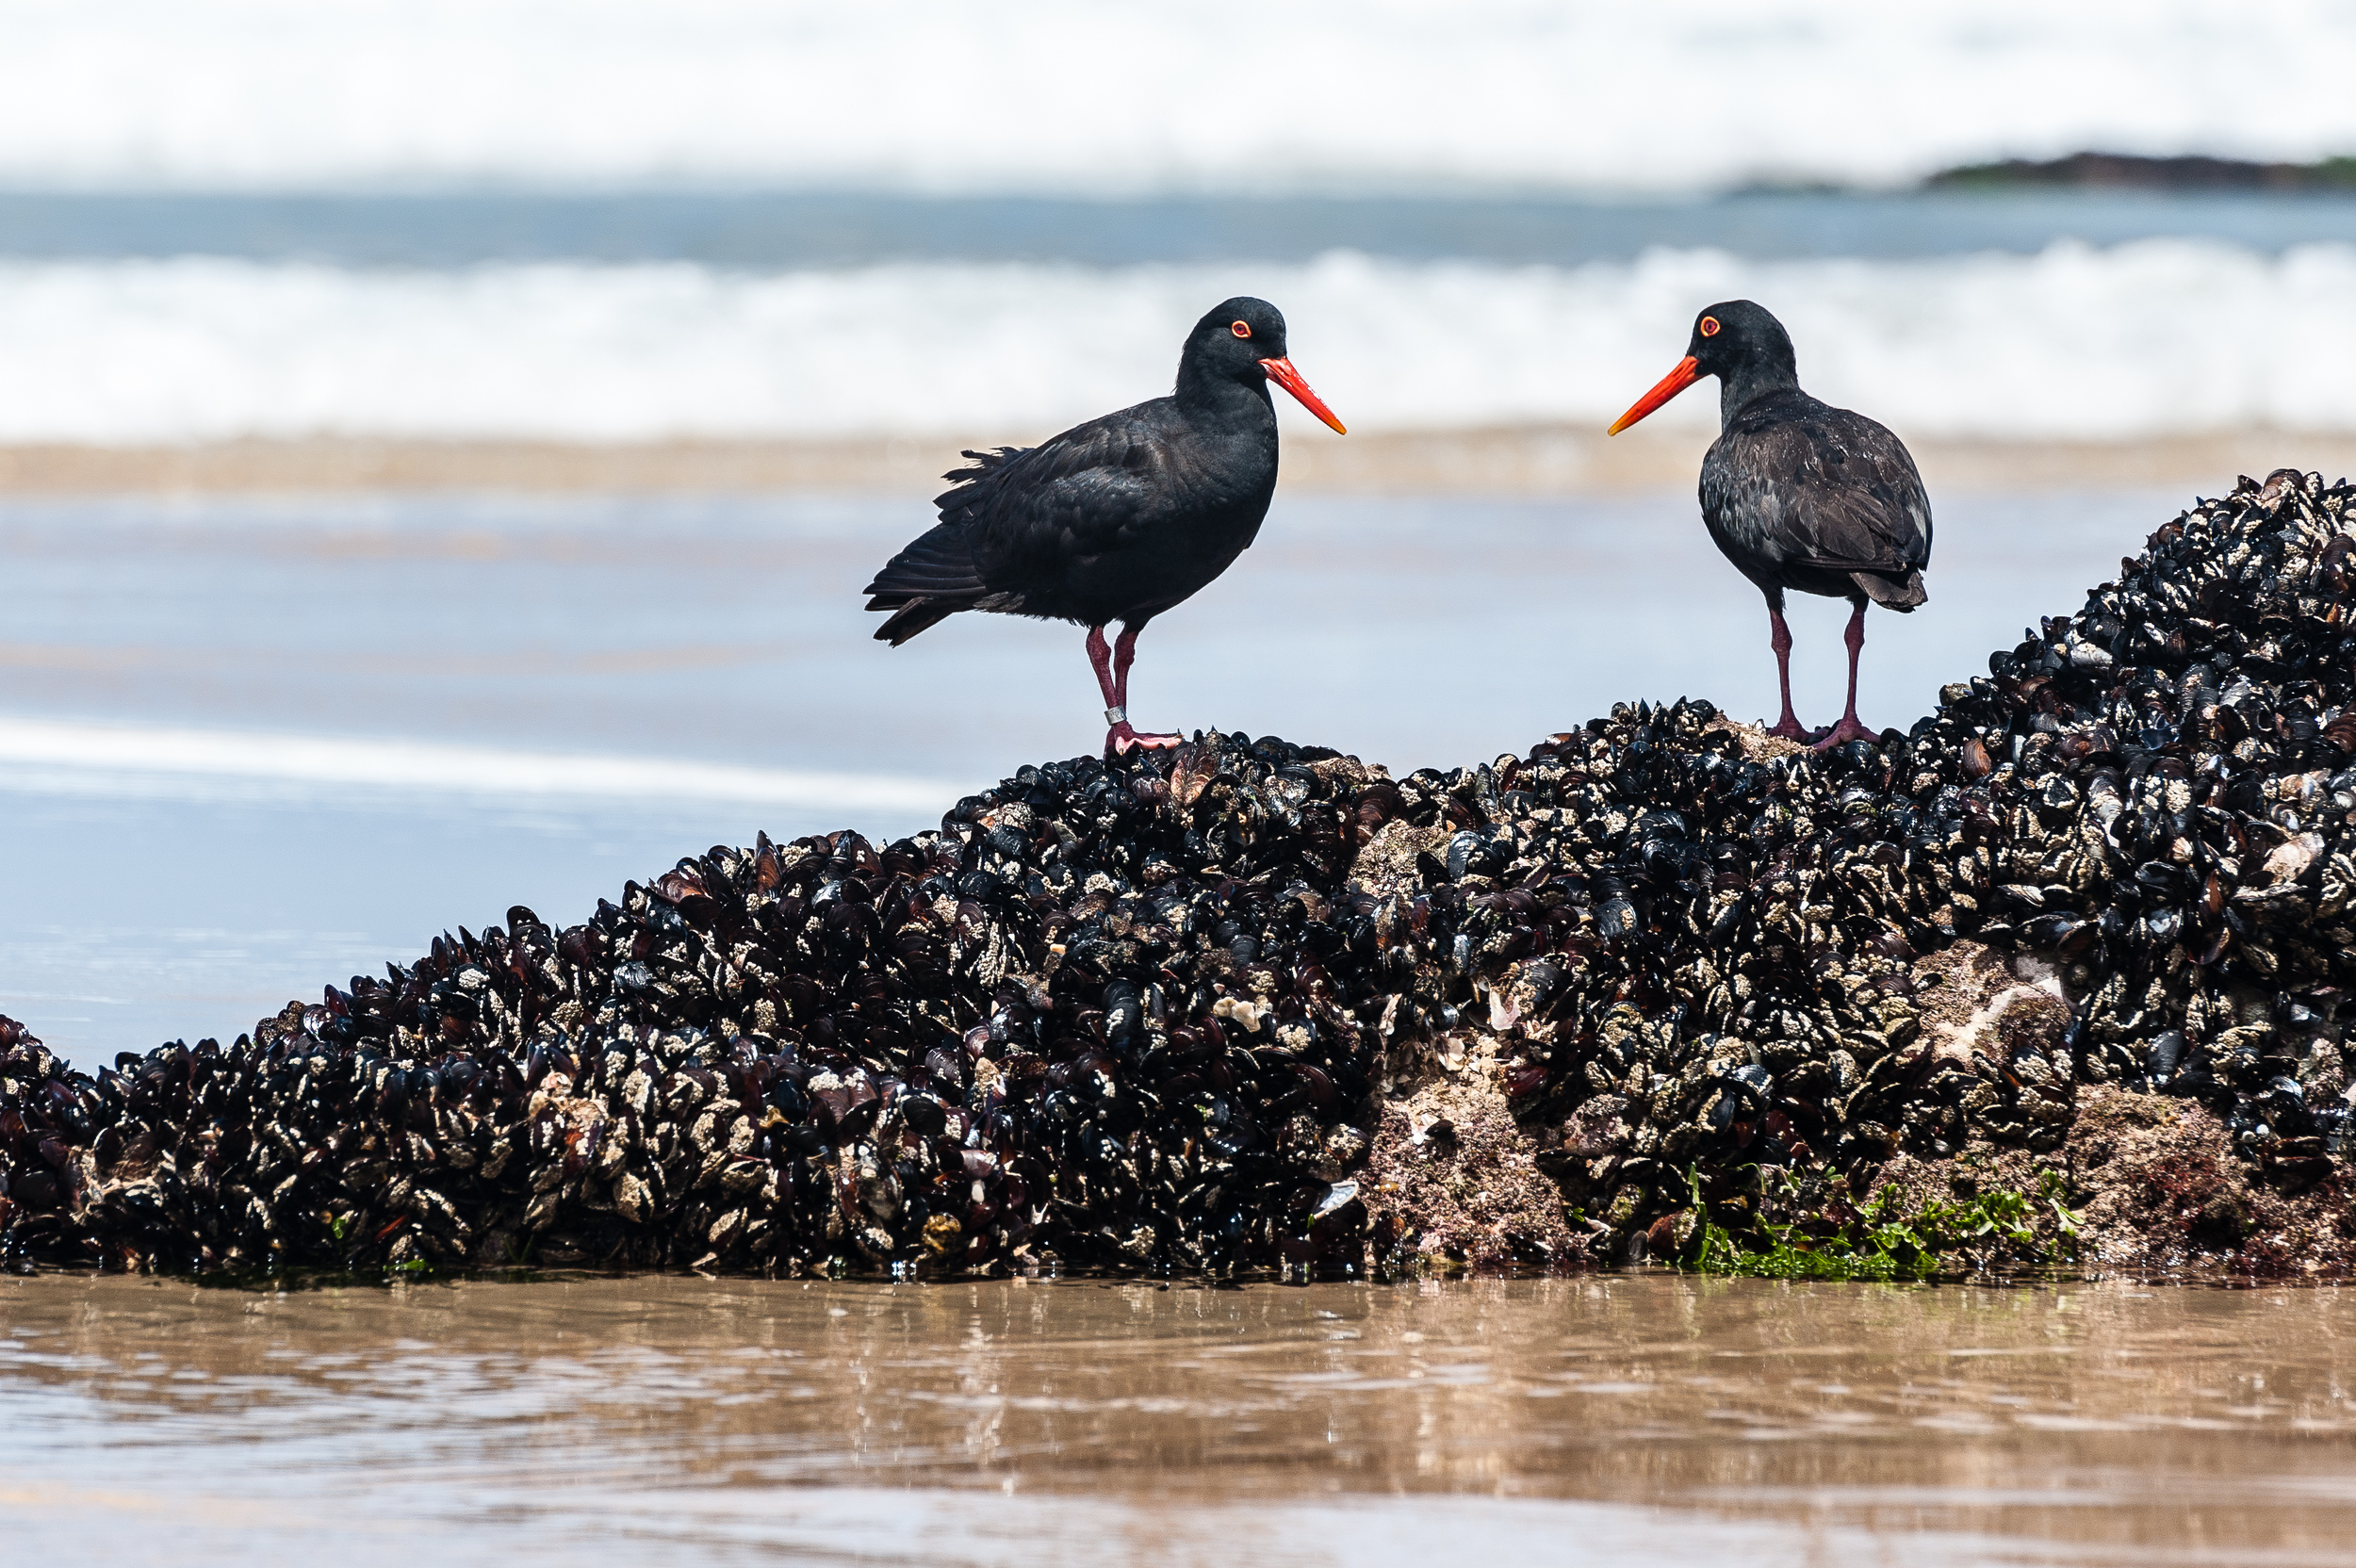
column 1280, row 371
column 1688, row 370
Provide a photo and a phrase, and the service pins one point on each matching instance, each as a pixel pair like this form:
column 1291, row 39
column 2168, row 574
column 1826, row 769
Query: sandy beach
column 1536, row 460
column 330, row 683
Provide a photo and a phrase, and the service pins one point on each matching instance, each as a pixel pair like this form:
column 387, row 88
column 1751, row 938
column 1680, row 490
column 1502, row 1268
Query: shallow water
column 1623, row 1419
column 158, row 890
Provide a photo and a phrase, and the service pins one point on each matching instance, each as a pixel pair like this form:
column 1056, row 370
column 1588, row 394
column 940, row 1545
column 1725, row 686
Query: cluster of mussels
column 1699, row 959
column 1143, row 1013
column 1104, row 1016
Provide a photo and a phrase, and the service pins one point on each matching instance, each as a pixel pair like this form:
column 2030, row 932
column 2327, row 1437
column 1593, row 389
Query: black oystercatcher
column 1117, row 519
column 1799, row 494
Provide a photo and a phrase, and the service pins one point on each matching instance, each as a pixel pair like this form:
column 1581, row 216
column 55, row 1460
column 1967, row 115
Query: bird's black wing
column 1017, row 517
column 1091, row 491
column 1826, row 489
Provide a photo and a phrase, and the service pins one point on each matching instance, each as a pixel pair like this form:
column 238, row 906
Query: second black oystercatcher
column 1799, row 494
column 1117, row 519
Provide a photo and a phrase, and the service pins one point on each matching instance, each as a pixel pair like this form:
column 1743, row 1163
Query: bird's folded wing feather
column 1090, row 491
column 937, row 564
column 1868, row 513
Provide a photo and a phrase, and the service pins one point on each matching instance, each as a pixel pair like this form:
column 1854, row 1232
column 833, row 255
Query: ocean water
column 1070, row 95
column 2143, row 339
column 249, row 748
column 784, row 229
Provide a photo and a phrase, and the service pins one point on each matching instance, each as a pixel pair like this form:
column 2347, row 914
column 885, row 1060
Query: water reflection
column 1630, row 1418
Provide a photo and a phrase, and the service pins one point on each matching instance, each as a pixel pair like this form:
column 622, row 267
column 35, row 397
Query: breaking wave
column 2151, row 338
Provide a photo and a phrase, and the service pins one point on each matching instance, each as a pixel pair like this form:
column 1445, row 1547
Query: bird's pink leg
column 1100, row 660
column 1779, row 638
column 1112, row 679
column 1125, row 654
column 1849, row 729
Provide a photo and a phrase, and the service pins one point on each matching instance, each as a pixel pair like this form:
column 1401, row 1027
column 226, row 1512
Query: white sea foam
column 2146, row 339
column 47, row 756
column 1079, row 94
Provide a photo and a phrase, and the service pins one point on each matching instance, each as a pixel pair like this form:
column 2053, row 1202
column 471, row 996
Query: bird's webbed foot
column 1849, row 729
column 1121, row 740
column 1791, row 728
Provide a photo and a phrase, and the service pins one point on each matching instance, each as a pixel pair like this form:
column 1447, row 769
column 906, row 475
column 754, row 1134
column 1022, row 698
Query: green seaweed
column 1883, row 1237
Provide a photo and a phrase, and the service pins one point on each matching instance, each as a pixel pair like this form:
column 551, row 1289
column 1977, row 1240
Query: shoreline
column 1536, row 460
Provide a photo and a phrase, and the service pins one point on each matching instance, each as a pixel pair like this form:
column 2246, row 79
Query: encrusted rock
column 1133, row 1014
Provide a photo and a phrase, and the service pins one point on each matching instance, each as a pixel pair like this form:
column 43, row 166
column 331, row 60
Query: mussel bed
column 1145, row 1013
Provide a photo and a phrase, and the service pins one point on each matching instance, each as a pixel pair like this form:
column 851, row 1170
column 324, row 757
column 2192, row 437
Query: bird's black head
column 1735, row 340
column 1235, row 334
column 1736, row 335
column 1242, row 340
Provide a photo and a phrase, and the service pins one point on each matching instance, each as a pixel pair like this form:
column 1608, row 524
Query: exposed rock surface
column 1256, row 1004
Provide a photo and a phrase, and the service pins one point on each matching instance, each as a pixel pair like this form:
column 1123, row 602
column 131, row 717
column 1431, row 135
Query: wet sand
column 1528, row 460
column 725, row 632
column 1621, row 1419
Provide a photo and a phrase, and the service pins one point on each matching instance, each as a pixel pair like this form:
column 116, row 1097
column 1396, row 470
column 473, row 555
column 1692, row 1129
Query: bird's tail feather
column 911, row 618
column 1901, row 594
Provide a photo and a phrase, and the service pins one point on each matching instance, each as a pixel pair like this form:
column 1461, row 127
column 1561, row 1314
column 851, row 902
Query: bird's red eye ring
column 1709, row 326
column 1241, row 329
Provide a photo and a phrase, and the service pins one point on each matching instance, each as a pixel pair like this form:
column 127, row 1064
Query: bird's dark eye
column 1241, row 329
column 1709, row 326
